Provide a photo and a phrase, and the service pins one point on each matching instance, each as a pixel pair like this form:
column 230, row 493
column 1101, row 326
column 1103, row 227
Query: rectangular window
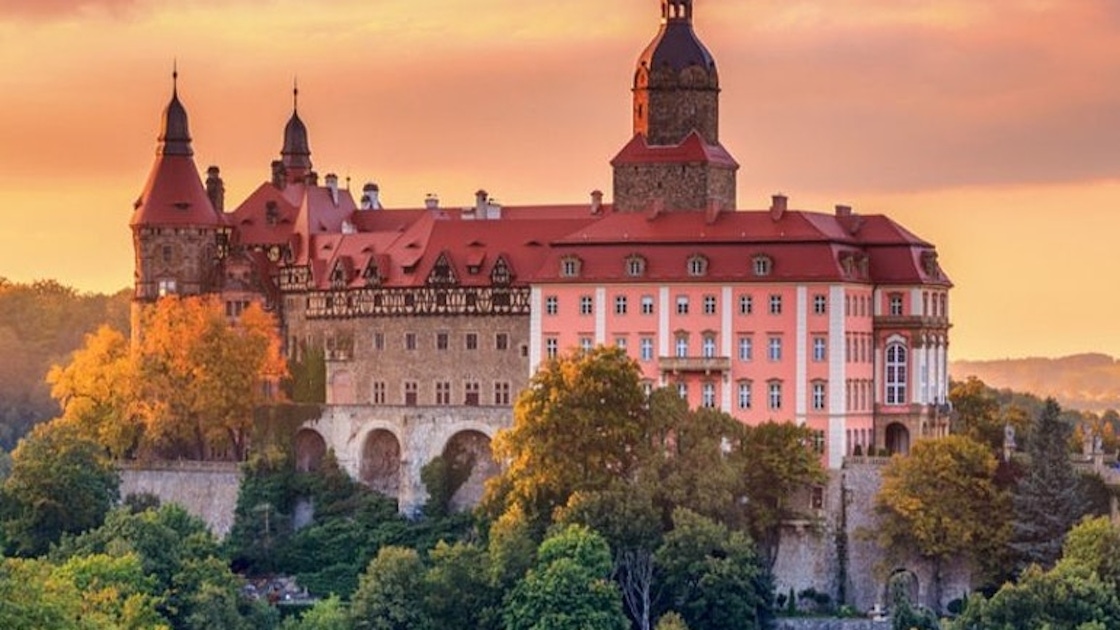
column 442, row 341
column 775, row 352
column 411, row 393
column 586, row 305
column 682, row 347
column 443, row 393
column 472, row 341
column 710, row 305
column 620, row 305
column 820, row 305
column 379, row 341
column 746, row 348
column 744, row 395
column 646, row 345
column 682, row 305
column 551, row 347
column 551, row 305
column 819, row 396
column 820, row 349
column 620, row 343
column 775, row 395
column 896, row 306
column 708, row 396
column 410, row 341
column 709, row 348
column 775, row 305
column 746, row 304
column 647, row 305
column 586, row 344
column 682, row 390
column 379, row 393
column 501, row 341
column 470, row 394
column 501, row 394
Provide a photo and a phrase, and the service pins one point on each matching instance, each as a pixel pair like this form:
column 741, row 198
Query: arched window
column 896, row 374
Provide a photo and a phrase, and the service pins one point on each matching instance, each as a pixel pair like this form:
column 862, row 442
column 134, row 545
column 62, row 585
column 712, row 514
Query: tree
column 568, row 588
column 980, row 416
column 60, row 483
column 95, row 391
column 326, row 614
column 390, row 592
column 1047, row 501
column 459, row 593
column 580, row 425
column 940, row 502
column 1094, row 545
column 776, row 461
column 1064, row 598
column 713, row 577
column 202, row 377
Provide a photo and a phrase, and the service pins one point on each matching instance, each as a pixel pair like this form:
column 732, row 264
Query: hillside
column 41, row 324
column 1089, row 382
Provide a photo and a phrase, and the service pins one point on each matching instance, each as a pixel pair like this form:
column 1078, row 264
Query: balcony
column 702, row 365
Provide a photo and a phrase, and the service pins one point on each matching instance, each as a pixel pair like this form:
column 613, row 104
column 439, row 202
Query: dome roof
column 175, row 136
column 297, row 149
column 676, row 46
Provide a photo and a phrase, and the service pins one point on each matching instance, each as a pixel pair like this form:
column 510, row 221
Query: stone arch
column 469, row 450
column 341, row 388
column 898, row 439
column 905, row 583
column 310, row 448
column 380, row 463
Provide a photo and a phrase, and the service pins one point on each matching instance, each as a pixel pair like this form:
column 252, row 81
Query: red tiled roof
column 174, row 196
column 691, row 149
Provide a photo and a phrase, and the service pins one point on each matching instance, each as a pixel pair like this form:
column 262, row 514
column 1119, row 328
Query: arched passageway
column 381, row 463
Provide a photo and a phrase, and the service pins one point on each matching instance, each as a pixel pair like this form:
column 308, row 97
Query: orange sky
column 991, row 129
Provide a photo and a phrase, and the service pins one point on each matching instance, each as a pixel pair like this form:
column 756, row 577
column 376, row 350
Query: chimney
column 843, row 212
column 480, row 199
column 431, row 202
column 778, row 205
column 215, row 189
column 596, row 202
column 312, row 179
column 371, row 197
column 279, row 174
column 493, row 210
column 332, row 184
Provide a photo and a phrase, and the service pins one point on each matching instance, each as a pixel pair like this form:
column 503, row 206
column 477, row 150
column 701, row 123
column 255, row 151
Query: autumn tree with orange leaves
column 188, row 389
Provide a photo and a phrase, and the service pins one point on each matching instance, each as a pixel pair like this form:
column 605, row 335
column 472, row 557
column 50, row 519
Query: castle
column 433, row 318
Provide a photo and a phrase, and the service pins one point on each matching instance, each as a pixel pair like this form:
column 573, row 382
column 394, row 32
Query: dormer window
column 570, row 267
column 697, row 266
column 763, row 266
column 501, row 274
column 635, row 266
column 338, row 277
column 271, row 213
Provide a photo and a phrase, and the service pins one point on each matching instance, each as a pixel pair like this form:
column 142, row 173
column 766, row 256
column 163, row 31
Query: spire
column 296, row 153
column 676, row 11
column 175, row 135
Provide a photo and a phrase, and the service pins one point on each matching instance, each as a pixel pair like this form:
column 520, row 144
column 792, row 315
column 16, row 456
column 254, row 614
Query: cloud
column 53, row 9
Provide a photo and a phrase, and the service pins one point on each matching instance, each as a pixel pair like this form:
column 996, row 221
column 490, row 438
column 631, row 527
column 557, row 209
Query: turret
column 296, row 154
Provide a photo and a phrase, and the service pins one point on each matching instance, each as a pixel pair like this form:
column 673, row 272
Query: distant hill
column 41, row 323
column 1089, row 382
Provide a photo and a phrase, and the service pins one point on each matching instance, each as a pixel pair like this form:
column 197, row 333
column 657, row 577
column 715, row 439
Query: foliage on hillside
column 40, row 325
column 1088, row 382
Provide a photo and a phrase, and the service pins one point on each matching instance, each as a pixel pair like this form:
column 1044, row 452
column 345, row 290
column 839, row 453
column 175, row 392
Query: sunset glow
column 989, row 129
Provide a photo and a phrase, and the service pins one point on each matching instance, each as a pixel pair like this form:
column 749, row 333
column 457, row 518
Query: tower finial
column 175, row 76
column 295, row 94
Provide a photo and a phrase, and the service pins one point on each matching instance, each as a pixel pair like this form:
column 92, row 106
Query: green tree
column 459, row 593
column 671, row 621
column 1065, row 598
column 776, row 461
column 713, row 576
column 390, row 592
column 979, row 414
column 326, row 614
column 60, row 483
column 568, row 588
column 1094, row 545
column 1047, row 501
column 580, row 425
column 940, row 503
